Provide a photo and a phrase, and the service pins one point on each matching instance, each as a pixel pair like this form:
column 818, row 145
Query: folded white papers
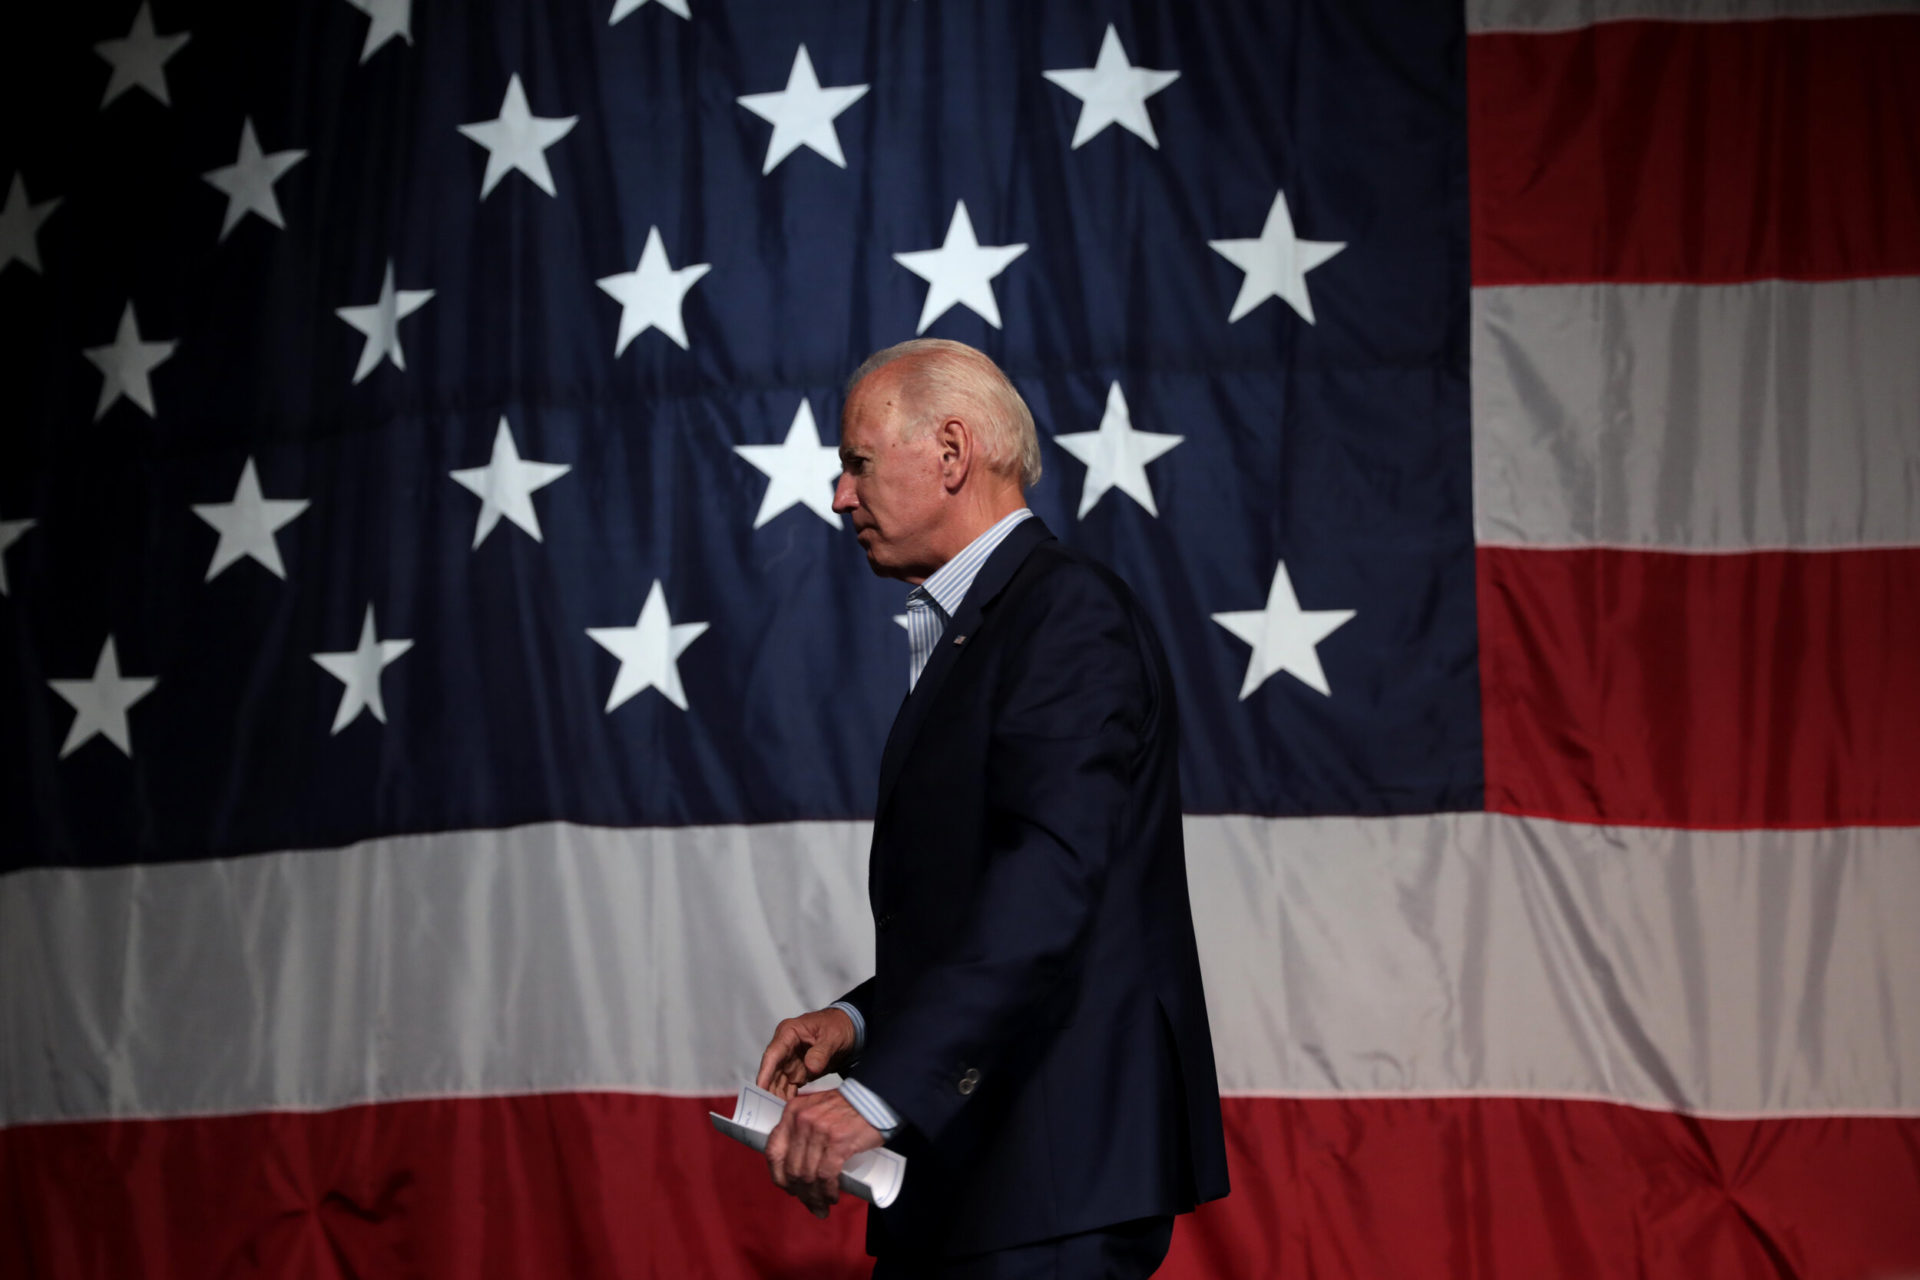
column 872, row 1175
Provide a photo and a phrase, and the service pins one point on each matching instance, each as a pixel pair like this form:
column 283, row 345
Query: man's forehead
column 879, row 387
column 858, row 434
column 870, row 405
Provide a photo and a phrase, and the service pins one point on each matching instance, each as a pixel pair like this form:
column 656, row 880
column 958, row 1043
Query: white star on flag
column 518, row 139
column 1113, row 91
column 11, row 531
column 20, row 225
column 248, row 181
column 960, row 271
column 125, row 364
column 139, row 58
column 1116, row 455
column 801, row 471
column 359, row 669
column 385, row 20
column 100, row 704
column 802, row 114
column 651, row 294
column 380, row 321
column 247, row 525
column 1284, row 636
column 649, row 651
column 621, row 8
column 506, row 484
column 1276, row 264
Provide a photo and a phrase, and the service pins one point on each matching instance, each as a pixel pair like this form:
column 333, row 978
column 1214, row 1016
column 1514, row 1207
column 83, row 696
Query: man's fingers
column 823, row 1159
column 826, row 1187
column 777, row 1143
column 810, row 1146
column 779, row 1049
column 827, row 1171
column 819, row 1196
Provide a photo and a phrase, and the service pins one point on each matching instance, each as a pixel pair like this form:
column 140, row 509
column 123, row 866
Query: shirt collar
column 948, row 585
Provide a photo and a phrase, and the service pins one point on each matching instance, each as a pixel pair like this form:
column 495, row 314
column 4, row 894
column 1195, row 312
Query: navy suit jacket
column 1036, row 1014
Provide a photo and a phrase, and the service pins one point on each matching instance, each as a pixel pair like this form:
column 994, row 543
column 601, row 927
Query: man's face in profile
column 890, row 483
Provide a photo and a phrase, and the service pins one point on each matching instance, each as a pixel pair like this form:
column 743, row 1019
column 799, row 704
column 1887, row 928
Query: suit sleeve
column 1067, row 722
column 860, row 997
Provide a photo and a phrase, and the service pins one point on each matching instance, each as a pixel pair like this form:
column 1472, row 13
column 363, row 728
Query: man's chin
column 881, row 569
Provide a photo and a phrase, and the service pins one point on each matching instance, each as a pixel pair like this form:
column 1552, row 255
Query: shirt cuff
column 859, row 1023
column 871, row 1108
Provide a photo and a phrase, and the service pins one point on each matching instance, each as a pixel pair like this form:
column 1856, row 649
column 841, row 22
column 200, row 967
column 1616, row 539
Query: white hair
column 946, row 377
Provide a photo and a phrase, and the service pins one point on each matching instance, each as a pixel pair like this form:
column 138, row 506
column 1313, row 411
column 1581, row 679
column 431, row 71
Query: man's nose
column 843, row 499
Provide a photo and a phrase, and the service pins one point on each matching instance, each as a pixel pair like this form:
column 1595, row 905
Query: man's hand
column 803, row 1049
column 818, row 1134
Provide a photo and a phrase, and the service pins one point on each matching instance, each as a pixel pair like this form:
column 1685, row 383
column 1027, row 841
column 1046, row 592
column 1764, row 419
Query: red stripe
column 1703, row 152
column 606, row 1185
column 1770, row 689
column 1419, row 1189
column 555, row 1185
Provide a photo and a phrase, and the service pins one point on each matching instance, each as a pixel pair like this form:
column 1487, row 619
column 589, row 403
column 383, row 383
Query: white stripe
column 1721, row 973
column 1770, row 415
column 542, row 958
column 1565, row 15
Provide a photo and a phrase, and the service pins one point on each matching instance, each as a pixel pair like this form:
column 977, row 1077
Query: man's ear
column 955, row 439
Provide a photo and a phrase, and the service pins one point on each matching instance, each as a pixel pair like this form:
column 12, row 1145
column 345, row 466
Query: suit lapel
column 992, row 579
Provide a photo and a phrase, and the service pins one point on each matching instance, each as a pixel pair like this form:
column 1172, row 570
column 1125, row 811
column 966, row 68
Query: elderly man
column 1034, row 1037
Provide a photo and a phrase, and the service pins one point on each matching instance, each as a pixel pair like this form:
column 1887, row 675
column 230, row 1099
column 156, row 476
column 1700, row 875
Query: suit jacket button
column 884, row 921
column 968, row 1082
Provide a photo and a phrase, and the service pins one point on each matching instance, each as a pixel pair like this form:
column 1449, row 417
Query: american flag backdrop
column 441, row 711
